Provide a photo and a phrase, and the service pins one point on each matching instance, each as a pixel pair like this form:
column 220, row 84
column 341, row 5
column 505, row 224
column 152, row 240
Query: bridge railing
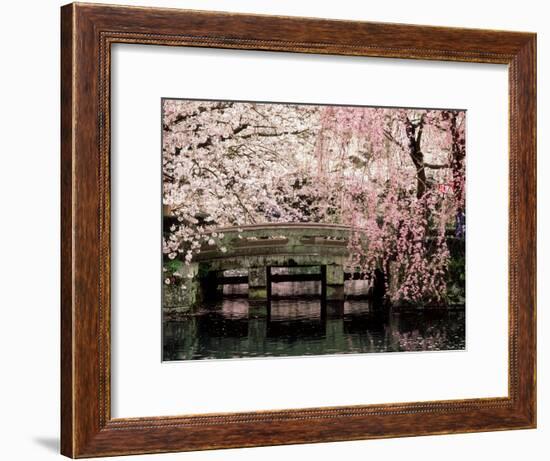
column 277, row 238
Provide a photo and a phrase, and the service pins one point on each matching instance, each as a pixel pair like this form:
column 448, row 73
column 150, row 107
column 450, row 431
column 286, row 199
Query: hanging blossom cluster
column 403, row 195
column 395, row 176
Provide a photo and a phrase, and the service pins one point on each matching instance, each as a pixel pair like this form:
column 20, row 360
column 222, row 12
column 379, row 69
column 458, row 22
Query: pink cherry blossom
column 395, row 176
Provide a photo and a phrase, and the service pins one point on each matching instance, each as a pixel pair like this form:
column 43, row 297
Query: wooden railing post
column 334, row 276
column 259, row 291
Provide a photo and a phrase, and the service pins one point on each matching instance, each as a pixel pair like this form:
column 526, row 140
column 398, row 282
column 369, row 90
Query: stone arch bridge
column 260, row 248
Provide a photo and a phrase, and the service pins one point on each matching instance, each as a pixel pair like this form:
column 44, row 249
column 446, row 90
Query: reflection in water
column 302, row 326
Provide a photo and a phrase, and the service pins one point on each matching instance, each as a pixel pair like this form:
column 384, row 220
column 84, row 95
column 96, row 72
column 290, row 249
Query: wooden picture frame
column 87, row 33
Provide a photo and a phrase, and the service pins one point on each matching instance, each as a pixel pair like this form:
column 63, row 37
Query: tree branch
column 390, row 137
column 436, row 166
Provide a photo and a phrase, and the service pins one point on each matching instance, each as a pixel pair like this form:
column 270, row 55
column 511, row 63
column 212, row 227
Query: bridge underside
column 261, row 277
column 258, row 250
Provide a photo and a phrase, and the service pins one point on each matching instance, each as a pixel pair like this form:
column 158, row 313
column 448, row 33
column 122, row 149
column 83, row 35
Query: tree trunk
column 414, row 135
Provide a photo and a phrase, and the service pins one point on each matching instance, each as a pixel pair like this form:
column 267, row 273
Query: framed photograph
column 284, row 230
column 303, row 229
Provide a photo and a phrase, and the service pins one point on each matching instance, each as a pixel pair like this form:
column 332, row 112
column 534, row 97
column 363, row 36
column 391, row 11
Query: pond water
column 303, row 325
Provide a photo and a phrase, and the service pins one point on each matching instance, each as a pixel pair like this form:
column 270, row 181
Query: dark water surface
column 300, row 326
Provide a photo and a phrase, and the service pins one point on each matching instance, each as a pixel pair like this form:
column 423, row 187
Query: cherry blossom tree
column 406, row 195
column 395, row 176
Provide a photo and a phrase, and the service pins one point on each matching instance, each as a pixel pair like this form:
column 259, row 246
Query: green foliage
column 172, row 265
column 456, row 285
